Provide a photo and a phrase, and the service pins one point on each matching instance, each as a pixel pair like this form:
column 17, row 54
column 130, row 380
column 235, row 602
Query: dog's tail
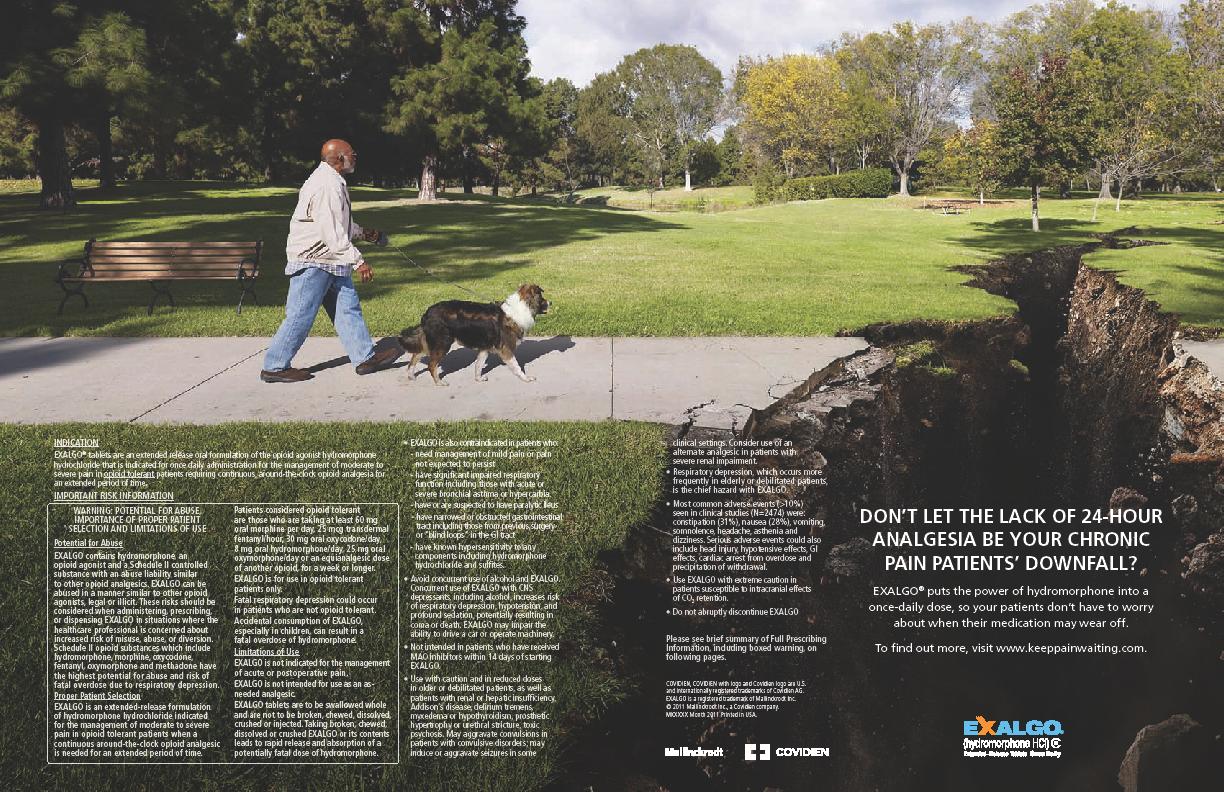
column 413, row 340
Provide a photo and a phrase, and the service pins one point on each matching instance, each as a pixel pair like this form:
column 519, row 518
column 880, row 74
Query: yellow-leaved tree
column 795, row 103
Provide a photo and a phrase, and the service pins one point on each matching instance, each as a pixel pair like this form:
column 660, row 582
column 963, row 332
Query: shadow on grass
column 1178, row 277
column 1205, row 303
column 1016, row 235
column 487, row 245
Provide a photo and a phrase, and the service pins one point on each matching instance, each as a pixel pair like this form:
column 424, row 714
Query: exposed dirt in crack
column 1083, row 400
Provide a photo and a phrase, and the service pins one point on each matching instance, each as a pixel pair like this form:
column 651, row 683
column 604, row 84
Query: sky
column 578, row 39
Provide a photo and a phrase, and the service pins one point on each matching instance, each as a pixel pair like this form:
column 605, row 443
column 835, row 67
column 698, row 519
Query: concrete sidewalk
column 714, row 382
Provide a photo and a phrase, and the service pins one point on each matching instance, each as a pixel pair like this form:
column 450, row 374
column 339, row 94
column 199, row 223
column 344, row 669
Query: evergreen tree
column 464, row 82
column 603, row 128
column 58, row 65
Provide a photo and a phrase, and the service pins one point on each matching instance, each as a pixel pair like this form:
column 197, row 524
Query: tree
column 466, row 81
column 318, row 69
column 704, row 163
column 603, row 128
column 52, row 56
column 865, row 124
column 672, row 95
column 797, row 103
column 562, row 164
column 730, row 153
column 921, row 76
column 973, row 154
column 184, row 122
column 1201, row 25
column 109, row 69
column 1202, row 28
column 1046, row 127
column 17, row 138
column 1022, row 39
column 1140, row 84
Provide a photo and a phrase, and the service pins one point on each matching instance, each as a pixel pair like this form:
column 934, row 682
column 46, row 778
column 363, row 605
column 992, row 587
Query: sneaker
column 286, row 375
column 379, row 361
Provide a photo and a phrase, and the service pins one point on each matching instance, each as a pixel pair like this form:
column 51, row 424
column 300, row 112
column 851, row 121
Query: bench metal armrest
column 64, row 272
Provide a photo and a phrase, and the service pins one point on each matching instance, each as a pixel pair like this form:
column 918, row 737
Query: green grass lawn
column 804, row 268
column 700, row 199
column 801, row 268
column 605, row 477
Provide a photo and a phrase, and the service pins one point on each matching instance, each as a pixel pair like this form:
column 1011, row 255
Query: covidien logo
column 754, row 752
column 759, row 752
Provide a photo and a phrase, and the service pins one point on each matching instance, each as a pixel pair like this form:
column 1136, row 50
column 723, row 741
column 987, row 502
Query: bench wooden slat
column 137, row 261
column 103, row 245
column 154, row 255
column 182, row 270
column 154, row 275
column 159, row 262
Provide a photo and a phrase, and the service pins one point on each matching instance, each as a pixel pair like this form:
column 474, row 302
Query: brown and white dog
column 485, row 327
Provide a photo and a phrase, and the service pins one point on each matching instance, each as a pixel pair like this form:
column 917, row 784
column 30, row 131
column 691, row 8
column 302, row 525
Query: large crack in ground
column 1083, row 400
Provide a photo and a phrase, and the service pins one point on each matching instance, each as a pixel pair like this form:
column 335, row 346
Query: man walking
column 321, row 262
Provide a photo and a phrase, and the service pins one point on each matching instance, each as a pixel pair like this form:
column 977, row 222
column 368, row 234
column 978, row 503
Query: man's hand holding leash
column 364, row 272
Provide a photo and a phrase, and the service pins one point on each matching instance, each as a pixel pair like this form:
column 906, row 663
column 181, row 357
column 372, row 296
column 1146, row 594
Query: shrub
column 870, row 183
column 873, row 182
column 765, row 185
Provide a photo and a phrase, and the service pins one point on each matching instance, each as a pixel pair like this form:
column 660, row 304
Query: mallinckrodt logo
column 692, row 751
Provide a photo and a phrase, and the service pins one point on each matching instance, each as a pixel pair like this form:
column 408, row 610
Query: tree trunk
column 688, row 180
column 904, row 183
column 1105, row 194
column 106, row 155
column 160, row 156
column 429, row 178
column 469, row 167
column 1036, row 197
column 51, row 161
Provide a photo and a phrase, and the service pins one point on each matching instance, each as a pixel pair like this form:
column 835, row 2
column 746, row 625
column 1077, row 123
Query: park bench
column 159, row 263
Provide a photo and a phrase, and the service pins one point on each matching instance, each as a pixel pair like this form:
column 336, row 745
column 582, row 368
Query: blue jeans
column 310, row 288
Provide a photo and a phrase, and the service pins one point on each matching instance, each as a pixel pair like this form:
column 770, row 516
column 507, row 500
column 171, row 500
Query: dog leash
column 432, row 275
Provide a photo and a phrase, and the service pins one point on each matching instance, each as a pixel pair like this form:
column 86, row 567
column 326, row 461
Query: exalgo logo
column 982, row 727
column 753, row 752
